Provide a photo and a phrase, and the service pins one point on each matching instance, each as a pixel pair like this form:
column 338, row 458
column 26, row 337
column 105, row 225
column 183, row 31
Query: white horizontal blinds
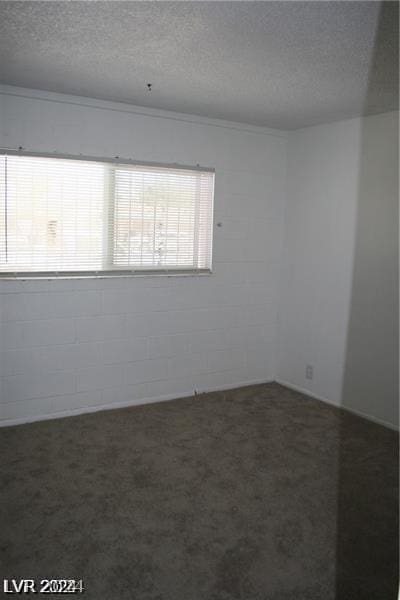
column 63, row 215
column 3, row 212
column 162, row 218
column 52, row 214
column 205, row 220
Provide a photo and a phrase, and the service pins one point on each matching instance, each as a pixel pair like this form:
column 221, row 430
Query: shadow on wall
column 367, row 521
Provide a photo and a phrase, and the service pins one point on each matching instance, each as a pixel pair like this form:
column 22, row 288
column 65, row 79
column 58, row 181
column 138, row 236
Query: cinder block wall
column 75, row 345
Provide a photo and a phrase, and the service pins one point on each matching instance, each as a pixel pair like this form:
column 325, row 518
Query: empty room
column 199, row 285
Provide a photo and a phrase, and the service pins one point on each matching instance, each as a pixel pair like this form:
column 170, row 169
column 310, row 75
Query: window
column 69, row 216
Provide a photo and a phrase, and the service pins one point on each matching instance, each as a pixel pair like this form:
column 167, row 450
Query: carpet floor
column 258, row 493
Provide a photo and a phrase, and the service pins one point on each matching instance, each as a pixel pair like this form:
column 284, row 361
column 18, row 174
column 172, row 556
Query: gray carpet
column 258, row 493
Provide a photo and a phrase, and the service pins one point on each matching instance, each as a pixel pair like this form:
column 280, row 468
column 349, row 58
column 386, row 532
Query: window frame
column 108, row 234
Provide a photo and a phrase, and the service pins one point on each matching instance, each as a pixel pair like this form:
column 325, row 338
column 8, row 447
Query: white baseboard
column 115, row 405
column 167, row 397
column 358, row 413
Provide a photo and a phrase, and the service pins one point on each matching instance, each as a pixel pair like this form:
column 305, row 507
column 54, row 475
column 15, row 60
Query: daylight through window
column 60, row 216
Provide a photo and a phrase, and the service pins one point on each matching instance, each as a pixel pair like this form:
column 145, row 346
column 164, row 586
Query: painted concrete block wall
column 339, row 293
column 73, row 345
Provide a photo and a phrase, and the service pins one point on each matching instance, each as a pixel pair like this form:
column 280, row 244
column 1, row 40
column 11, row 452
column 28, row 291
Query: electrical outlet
column 309, row 371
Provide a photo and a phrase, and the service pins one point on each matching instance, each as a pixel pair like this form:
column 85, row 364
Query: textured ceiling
column 276, row 64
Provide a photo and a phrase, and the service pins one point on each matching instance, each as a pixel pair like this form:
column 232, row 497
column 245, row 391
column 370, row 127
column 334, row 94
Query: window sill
column 102, row 275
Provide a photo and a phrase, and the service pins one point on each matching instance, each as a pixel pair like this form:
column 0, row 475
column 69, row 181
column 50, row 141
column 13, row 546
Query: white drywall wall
column 71, row 345
column 339, row 292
